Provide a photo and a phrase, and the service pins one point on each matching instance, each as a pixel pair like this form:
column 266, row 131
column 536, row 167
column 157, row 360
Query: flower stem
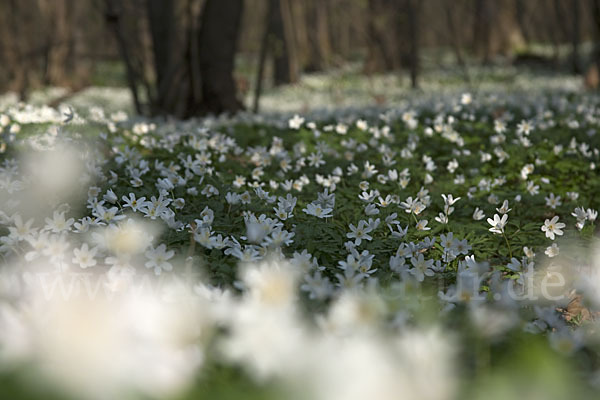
column 507, row 244
column 415, row 218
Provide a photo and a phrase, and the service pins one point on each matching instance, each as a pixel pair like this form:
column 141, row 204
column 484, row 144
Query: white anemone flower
column 553, row 227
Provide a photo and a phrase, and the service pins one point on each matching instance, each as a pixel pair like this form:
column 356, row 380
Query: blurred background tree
column 192, row 57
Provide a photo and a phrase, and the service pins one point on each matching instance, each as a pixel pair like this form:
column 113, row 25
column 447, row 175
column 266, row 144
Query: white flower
column 80, row 334
column 239, row 181
column 524, row 127
column 21, row 231
column 499, row 126
column 203, row 236
column 422, row 225
column 413, row 206
column 573, row 196
column 478, row 214
column 318, row 211
column 466, row 98
column 371, row 209
column 58, row 223
column 553, row 201
column 553, row 227
column 56, row 248
column 582, row 215
column 341, row 129
column 497, row 223
column 84, row 257
column 110, row 214
column 504, row 209
column 452, row 166
column 295, row 122
column 421, row 267
column 461, row 246
column 528, row 252
column 526, row 171
column 442, row 218
column 232, row 198
column 158, row 259
column 110, row 196
column 552, row 251
column 385, row 202
column 245, row 197
column 493, row 199
column 133, row 202
column 179, row 203
column 449, row 200
column 532, row 188
column 360, row 232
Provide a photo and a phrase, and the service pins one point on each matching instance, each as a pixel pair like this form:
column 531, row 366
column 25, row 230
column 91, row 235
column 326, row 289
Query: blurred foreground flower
column 98, row 344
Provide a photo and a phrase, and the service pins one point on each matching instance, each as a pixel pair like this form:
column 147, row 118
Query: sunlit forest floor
column 343, row 88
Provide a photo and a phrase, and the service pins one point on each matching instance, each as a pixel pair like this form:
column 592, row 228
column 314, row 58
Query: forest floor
column 357, row 239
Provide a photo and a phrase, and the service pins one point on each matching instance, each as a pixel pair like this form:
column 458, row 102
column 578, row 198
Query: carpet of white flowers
column 442, row 249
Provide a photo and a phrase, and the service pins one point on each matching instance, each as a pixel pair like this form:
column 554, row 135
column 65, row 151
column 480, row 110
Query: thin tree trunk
column 455, row 40
column 194, row 55
column 413, row 11
column 482, row 30
column 161, row 17
column 219, row 30
column 560, row 25
column 285, row 57
column 113, row 19
column 521, row 17
column 297, row 11
column 553, row 34
column 59, row 50
column 262, row 59
column 596, row 54
column 575, row 37
column 318, row 36
column 18, row 63
column 382, row 57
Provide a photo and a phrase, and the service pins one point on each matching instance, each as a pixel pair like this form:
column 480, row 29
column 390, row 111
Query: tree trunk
column 382, row 35
column 262, row 59
column 553, row 34
column 20, row 64
column 592, row 78
column 176, row 69
column 161, row 16
column 297, row 14
column 285, row 62
column 560, row 23
column 59, row 47
column 318, row 36
column 112, row 14
column 219, row 29
column 482, row 30
column 413, row 13
column 575, row 37
column 521, row 17
column 455, row 40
